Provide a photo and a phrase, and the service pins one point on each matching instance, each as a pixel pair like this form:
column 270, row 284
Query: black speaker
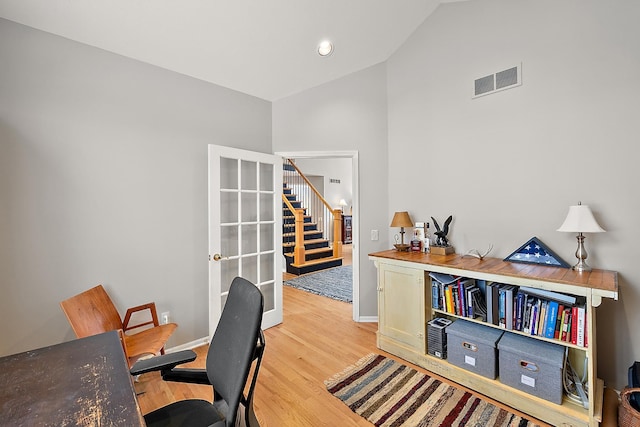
column 437, row 337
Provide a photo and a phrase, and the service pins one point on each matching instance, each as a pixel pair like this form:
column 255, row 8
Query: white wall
column 507, row 166
column 346, row 114
column 338, row 168
column 103, row 179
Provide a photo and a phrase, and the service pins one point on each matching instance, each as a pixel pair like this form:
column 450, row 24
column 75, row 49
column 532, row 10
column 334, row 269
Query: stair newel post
column 298, row 251
column 337, row 233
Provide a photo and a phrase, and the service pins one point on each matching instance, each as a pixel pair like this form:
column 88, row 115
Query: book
column 574, row 325
column 520, row 307
column 435, row 294
column 454, row 297
column 502, row 321
column 508, row 306
column 526, row 321
column 580, row 328
column 566, row 328
column 552, row 316
column 449, row 294
column 562, row 324
column 445, row 279
column 551, row 295
column 534, row 318
column 463, row 284
column 542, row 318
column 479, row 306
column 468, row 291
column 538, row 316
column 558, row 330
column 491, row 294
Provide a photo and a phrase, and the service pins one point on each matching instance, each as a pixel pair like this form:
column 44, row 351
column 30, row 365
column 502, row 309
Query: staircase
column 318, row 253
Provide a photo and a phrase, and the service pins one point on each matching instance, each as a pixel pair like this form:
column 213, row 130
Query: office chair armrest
column 152, row 311
column 186, row 375
column 166, row 362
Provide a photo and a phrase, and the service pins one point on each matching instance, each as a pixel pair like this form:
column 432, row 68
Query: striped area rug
column 388, row 393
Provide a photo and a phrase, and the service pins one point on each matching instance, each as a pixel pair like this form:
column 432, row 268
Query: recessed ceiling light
column 325, row 48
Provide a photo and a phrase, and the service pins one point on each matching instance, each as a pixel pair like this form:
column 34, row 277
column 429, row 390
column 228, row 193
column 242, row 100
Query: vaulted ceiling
column 265, row 48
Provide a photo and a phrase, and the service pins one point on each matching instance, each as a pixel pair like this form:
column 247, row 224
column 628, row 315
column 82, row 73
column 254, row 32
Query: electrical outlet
column 374, row 235
column 164, row 318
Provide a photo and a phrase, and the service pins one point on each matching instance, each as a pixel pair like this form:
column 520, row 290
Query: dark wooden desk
column 84, row 382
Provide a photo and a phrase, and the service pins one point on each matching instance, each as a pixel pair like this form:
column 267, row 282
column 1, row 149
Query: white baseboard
column 367, row 319
column 189, row 345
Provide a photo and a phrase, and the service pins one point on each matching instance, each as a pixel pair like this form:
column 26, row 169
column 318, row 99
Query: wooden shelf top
column 605, row 280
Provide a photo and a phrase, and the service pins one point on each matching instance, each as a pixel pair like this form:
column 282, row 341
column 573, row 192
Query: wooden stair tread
column 304, row 232
column 306, row 224
column 312, row 241
column 312, row 251
column 316, row 262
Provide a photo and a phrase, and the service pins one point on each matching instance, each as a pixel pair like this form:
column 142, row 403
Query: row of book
column 532, row 311
column 460, row 296
column 538, row 312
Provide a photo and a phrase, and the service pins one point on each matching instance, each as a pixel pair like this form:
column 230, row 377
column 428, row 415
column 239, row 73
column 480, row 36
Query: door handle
column 218, row 257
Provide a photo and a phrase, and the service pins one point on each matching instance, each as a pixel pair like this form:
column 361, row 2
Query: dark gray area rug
column 336, row 283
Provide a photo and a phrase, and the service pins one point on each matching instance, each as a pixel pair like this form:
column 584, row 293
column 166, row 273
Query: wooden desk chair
column 92, row 312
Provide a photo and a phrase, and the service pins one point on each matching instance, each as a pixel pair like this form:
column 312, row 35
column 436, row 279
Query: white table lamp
column 580, row 220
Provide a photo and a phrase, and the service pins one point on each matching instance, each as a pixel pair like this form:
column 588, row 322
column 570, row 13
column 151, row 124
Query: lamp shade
column 342, row 202
column 401, row 219
column 580, row 220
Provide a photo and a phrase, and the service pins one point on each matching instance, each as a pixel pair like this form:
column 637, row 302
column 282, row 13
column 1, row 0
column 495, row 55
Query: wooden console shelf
column 405, row 307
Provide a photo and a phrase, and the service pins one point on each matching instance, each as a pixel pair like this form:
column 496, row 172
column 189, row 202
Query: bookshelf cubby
column 405, row 307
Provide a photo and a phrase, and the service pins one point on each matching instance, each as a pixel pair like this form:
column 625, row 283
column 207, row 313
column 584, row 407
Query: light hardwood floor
column 316, row 340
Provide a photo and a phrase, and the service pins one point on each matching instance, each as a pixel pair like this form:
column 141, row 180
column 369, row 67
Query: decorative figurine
column 441, row 245
column 476, row 253
column 441, row 235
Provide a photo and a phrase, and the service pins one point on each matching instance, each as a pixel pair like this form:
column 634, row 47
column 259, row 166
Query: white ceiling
column 265, row 48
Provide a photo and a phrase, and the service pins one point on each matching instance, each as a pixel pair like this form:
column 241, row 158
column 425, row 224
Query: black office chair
column 237, row 342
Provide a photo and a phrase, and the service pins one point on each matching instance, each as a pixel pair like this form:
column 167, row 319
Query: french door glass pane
column 229, row 272
column 266, row 208
column 249, row 207
column 249, row 239
column 268, row 293
column 266, row 237
column 228, row 207
column 228, row 173
column 266, row 267
column 229, row 240
column 249, row 175
column 266, row 177
column 250, row 268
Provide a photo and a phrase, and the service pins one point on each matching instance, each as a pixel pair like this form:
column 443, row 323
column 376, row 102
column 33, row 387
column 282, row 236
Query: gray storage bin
column 532, row 366
column 473, row 347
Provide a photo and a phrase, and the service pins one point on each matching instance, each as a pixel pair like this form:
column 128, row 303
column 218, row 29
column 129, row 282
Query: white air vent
column 496, row 82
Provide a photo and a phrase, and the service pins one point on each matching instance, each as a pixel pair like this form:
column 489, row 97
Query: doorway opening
column 351, row 249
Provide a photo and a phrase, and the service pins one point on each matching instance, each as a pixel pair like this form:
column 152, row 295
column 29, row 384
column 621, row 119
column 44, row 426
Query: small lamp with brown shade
column 402, row 220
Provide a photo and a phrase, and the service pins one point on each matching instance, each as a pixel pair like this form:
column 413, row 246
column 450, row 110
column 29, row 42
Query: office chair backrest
column 233, row 343
column 91, row 312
